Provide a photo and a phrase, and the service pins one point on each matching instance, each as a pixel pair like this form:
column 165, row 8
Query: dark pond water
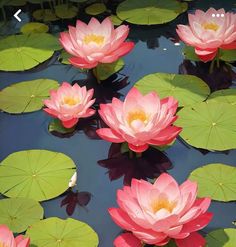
column 155, row 51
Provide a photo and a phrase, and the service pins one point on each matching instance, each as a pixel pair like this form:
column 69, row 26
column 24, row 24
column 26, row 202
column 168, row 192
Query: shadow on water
column 124, row 164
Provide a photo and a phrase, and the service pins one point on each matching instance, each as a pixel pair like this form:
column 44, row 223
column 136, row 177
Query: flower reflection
column 150, row 165
column 220, row 78
column 74, row 199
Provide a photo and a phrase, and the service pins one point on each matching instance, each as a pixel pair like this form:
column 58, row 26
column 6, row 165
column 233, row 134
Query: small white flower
column 73, row 180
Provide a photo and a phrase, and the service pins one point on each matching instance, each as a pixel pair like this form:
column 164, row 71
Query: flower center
column 210, row 26
column 98, row 39
column 3, row 245
column 70, row 101
column 137, row 115
column 162, row 204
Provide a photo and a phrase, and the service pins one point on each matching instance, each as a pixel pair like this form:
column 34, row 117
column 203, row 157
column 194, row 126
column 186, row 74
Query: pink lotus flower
column 127, row 240
column 7, row 239
column 156, row 213
column 70, row 103
column 95, row 43
column 140, row 120
column 209, row 31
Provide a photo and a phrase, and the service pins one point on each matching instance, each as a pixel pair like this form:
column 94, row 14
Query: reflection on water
column 73, row 199
column 220, row 78
column 149, row 166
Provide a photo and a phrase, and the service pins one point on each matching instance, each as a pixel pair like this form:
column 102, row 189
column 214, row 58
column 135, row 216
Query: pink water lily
column 141, row 120
column 156, row 213
column 127, row 240
column 95, row 43
column 7, row 238
column 70, row 103
column 209, row 31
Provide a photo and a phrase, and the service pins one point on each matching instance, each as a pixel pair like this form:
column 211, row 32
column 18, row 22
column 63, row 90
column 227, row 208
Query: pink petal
column 82, row 63
column 70, row 123
column 138, row 149
column 6, row 236
column 110, row 135
column 22, row 242
column 127, row 240
column 205, row 55
column 193, row 240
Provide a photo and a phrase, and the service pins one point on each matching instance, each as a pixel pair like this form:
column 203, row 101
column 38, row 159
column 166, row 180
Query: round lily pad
column 209, row 125
column 187, row 89
column 46, row 15
column 24, row 51
column 150, row 12
column 96, row 9
column 26, row 96
column 37, row 174
column 19, row 213
column 224, row 96
column 56, row 232
column 116, row 20
column 105, row 70
column 221, row 238
column 65, row 11
column 34, row 27
column 217, row 181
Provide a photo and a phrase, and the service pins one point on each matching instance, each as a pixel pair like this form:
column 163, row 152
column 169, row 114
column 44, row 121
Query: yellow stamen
column 98, row 39
column 70, row 101
column 3, row 245
column 137, row 115
column 210, row 26
column 162, row 204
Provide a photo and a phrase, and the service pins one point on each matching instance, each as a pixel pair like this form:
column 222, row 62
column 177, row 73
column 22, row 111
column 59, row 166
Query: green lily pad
column 228, row 55
column 16, row 3
column 225, row 55
column 45, row 15
column 150, row 12
column 116, row 20
column 96, row 9
column 25, row 51
column 26, row 96
column 217, row 181
column 221, row 238
column 209, row 125
column 34, row 27
column 190, row 54
column 105, row 70
column 19, row 213
column 64, row 56
column 65, row 11
column 224, row 96
column 37, row 174
column 187, row 89
column 56, row 232
column 56, row 126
